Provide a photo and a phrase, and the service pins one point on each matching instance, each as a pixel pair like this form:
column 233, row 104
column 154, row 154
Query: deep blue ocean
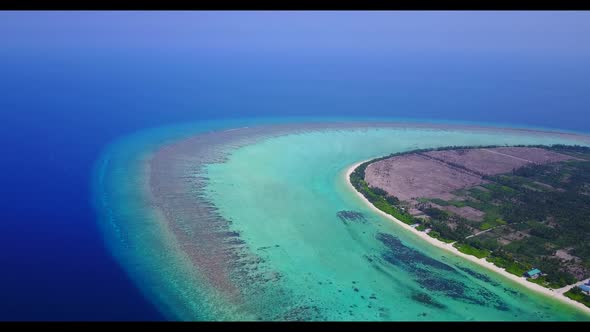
column 60, row 108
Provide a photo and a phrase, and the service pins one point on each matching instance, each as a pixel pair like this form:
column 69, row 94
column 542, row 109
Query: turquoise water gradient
column 282, row 194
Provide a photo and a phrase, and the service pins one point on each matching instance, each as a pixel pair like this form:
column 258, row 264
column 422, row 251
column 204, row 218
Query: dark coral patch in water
column 399, row 254
column 427, row 299
column 479, row 276
column 448, row 287
column 417, row 264
column 351, row 216
column 513, row 292
column 493, row 299
column 302, row 313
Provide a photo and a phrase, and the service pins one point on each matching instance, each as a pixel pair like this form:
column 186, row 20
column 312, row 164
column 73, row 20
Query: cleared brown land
column 466, row 212
column 536, row 155
column 436, row 174
column 414, row 175
column 497, row 160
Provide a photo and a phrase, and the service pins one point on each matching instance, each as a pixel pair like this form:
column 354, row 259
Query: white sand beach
column 449, row 247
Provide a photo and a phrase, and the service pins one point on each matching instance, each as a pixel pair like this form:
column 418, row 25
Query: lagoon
column 240, row 221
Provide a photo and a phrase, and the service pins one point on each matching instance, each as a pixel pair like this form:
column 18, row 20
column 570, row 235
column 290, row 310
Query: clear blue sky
column 518, row 33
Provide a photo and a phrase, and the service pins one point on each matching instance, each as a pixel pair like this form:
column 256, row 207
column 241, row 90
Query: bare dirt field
column 436, row 174
column 466, row 212
column 535, row 155
column 414, row 175
column 497, row 160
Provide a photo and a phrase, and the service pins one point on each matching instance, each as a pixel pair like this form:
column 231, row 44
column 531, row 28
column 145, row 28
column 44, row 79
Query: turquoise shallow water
column 282, row 195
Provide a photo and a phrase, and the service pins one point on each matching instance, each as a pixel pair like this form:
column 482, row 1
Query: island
column 524, row 209
column 244, row 221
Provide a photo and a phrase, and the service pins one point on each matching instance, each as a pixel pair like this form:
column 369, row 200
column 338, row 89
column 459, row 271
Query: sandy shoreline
column 174, row 226
column 449, row 247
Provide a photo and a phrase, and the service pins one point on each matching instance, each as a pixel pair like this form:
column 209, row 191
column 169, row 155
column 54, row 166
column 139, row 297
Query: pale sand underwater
column 241, row 223
column 449, row 247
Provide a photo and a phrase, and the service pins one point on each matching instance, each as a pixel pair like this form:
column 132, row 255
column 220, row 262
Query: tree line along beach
column 247, row 221
column 521, row 208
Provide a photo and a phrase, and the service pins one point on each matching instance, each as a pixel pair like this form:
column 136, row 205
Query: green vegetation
column 438, row 201
column 537, row 210
column 436, row 235
column 491, row 223
column 576, row 294
column 469, row 250
column 529, row 213
column 379, row 197
column 502, row 260
column 544, row 281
